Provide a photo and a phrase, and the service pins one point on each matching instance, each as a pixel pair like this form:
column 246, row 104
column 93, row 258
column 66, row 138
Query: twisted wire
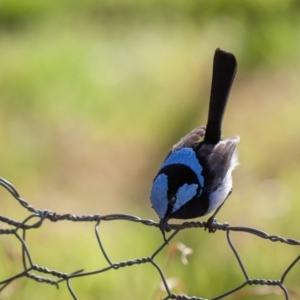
column 37, row 218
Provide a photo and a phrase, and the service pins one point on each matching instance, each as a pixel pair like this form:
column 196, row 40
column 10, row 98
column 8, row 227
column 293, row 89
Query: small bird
column 195, row 178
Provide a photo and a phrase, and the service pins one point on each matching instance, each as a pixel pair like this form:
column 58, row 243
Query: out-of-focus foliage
column 92, row 96
column 265, row 29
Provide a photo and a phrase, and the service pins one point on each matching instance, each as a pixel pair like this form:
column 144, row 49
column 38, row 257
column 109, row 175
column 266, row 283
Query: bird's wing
column 192, row 138
column 219, row 159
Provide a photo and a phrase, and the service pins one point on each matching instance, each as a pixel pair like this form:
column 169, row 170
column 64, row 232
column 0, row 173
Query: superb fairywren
column 195, row 178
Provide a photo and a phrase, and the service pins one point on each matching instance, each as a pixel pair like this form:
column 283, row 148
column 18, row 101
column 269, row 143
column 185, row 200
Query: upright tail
column 224, row 69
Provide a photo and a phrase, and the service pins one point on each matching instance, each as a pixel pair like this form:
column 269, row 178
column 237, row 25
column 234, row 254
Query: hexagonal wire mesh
column 20, row 228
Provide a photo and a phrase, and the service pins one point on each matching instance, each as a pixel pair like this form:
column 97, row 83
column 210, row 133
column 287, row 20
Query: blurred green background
column 92, row 96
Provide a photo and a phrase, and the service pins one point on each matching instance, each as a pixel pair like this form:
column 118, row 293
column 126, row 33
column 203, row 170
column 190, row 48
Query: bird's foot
column 210, row 225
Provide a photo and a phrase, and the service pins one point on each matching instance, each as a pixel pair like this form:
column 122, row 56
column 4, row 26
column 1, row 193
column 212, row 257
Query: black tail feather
column 224, row 69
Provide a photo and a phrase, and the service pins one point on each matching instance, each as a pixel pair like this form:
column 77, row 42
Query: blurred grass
column 92, row 97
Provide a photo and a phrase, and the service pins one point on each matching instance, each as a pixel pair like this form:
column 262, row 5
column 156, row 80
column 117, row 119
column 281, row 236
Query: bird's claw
column 210, row 225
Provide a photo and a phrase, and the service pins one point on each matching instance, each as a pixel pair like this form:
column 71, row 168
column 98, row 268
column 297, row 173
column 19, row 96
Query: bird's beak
column 162, row 226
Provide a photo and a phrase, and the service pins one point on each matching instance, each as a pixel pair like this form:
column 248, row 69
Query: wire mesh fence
column 36, row 219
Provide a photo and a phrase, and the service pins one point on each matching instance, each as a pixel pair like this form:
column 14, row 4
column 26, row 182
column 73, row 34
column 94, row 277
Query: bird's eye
column 172, row 200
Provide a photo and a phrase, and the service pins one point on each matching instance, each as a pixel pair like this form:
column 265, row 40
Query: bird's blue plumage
column 159, row 198
column 159, row 193
column 185, row 193
column 186, row 156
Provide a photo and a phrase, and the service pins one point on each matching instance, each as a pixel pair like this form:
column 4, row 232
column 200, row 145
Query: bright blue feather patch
column 186, row 156
column 159, row 195
column 159, row 192
column 184, row 194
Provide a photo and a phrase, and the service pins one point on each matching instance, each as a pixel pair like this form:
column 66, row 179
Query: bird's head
column 173, row 187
